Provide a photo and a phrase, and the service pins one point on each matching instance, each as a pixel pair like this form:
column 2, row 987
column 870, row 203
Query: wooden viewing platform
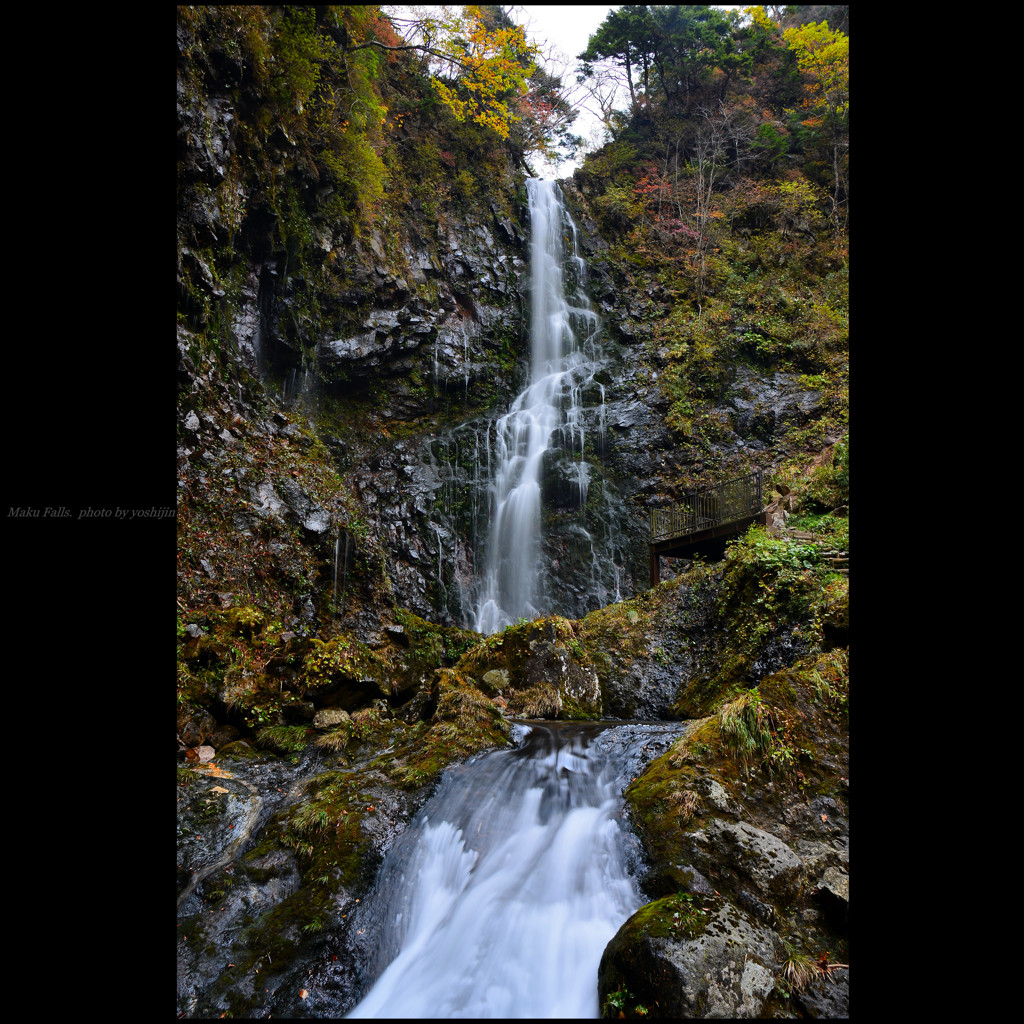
column 708, row 514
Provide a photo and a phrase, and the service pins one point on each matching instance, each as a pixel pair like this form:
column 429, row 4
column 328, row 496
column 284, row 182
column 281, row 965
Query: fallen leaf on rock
column 303, row 993
column 219, row 789
column 824, row 817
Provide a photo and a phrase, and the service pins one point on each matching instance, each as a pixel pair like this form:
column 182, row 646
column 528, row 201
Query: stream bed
column 500, row 898
column 495, row 897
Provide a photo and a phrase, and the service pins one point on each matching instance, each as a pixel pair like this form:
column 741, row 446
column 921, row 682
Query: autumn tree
column 794, row 15
column 823, row 56
column 477, row 58
column 708, row 154
column 546, row 118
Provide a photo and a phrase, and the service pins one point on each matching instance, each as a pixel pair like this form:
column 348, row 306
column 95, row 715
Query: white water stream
column 562, row 329
column 499, row 899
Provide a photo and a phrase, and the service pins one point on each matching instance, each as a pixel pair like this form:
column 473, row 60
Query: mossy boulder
column 764, row 762
column 642, row 648
column 330, row 718
column 687, row 956
column 246, row 621
column 464, row 721
column 749, row 857
column 420, row 648
column 752, row 803
column 540, row 669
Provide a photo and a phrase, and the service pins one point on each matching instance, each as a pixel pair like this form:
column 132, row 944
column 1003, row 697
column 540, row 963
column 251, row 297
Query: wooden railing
column 709, row 507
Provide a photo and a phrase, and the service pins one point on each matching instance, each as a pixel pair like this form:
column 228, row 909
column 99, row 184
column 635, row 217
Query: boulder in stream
column 688, row 956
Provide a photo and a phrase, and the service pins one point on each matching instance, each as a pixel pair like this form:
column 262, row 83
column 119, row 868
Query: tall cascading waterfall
column 563, row 329
column 500, row 897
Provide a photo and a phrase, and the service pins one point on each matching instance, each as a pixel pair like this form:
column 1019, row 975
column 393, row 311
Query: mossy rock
column 675, row 791
column 711, row 805
column 246, row 621
column 242, row 749
column 465, row 721
column 642, row 647
column 687, row 956
column 347, row 665
column 422, row 647
column 543, row 667
column 494, row 682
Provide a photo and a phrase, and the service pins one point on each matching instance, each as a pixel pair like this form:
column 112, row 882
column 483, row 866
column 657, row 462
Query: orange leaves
column 825, row 967
column 381, row 28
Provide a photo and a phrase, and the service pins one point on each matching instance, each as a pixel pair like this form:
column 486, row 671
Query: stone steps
column 838, row 560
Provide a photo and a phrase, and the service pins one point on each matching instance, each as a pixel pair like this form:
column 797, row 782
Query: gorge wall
column 398, row 347
column 353, row 301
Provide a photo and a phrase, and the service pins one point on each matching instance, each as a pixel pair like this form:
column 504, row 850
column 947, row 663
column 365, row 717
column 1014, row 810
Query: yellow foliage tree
column 480, row 66
column 823, row 56
column 493, row 65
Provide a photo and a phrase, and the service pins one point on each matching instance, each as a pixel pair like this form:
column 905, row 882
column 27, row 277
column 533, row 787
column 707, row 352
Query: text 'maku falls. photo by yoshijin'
column 513, row 512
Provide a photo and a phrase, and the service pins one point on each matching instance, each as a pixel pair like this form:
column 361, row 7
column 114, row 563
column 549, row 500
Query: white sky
column 567, row 29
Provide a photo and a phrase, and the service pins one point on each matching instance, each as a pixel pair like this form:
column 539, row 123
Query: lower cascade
column 499, row 899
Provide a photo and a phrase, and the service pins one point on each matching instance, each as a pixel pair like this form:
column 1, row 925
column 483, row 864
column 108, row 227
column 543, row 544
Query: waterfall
column 500, row 897
column 563, row 360
column 334, row 589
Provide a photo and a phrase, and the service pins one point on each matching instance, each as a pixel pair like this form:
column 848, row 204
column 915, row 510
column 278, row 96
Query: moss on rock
column 544, row 669
column 687, row 956
column 465, row 721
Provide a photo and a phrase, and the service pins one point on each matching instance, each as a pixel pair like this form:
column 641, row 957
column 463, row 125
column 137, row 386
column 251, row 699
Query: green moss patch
column 465, row 722
column 541, row 669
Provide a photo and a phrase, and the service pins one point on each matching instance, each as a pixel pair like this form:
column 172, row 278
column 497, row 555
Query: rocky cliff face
column 395, row 347
column 365, row 344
